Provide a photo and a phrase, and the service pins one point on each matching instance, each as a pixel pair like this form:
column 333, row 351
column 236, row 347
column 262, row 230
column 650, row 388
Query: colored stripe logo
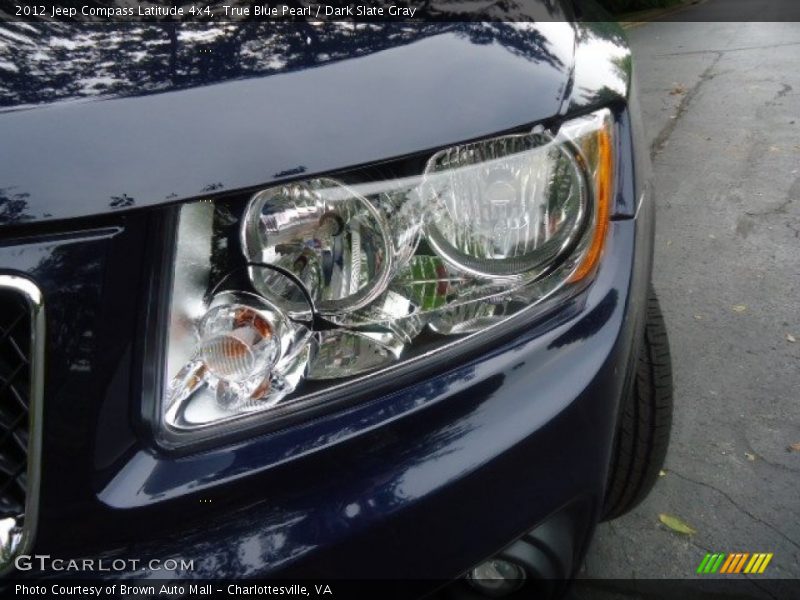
column 736, row 562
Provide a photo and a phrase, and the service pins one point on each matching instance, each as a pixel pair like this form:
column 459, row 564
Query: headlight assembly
column 317, row 281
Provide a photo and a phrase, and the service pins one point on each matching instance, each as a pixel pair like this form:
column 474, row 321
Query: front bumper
column 419, row 483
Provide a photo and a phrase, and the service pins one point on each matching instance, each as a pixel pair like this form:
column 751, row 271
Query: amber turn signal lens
column 604, row 187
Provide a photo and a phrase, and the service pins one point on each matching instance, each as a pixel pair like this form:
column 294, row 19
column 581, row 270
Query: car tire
column 645, row 420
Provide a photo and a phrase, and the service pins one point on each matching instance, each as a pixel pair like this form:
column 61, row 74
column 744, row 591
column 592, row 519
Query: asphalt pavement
column 721, row 103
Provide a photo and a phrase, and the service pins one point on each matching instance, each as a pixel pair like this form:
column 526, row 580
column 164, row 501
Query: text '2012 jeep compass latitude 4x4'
column 323, row 301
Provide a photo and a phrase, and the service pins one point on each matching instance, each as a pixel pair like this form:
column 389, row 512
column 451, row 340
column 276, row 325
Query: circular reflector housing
column 505, row 208
column 337, row 244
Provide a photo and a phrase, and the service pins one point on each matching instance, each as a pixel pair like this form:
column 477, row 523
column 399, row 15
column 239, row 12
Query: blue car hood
column 97, row 118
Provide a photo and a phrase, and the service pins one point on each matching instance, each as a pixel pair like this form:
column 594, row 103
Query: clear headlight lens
column 317, row 280
column 505, row 208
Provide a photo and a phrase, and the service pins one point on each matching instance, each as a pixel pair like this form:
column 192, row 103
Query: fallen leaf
column 794, row 447
column 740, row 308
column 791, row 338
column 662, row 473
column 750, row 457
column 676, row 525
column 669, row 242
column 677, row 90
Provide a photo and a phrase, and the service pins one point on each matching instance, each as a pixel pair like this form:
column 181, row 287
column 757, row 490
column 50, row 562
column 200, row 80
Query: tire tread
column 645, row 420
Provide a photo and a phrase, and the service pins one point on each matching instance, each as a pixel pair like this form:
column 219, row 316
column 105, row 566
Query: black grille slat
column 23, row 359
column 7, row 467
column 15, row 374
column 20, row 437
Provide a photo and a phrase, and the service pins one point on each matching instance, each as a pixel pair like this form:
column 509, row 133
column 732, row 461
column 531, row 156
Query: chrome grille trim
column 17, row 533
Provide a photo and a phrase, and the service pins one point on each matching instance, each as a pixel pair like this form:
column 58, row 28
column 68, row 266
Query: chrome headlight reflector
column 505, row 208
column 333, row 280
column 336, row 242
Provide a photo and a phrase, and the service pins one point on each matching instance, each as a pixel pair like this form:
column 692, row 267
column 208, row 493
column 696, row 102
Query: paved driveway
column 722, row 103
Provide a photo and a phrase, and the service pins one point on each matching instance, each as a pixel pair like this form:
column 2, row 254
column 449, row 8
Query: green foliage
column 621, row 6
